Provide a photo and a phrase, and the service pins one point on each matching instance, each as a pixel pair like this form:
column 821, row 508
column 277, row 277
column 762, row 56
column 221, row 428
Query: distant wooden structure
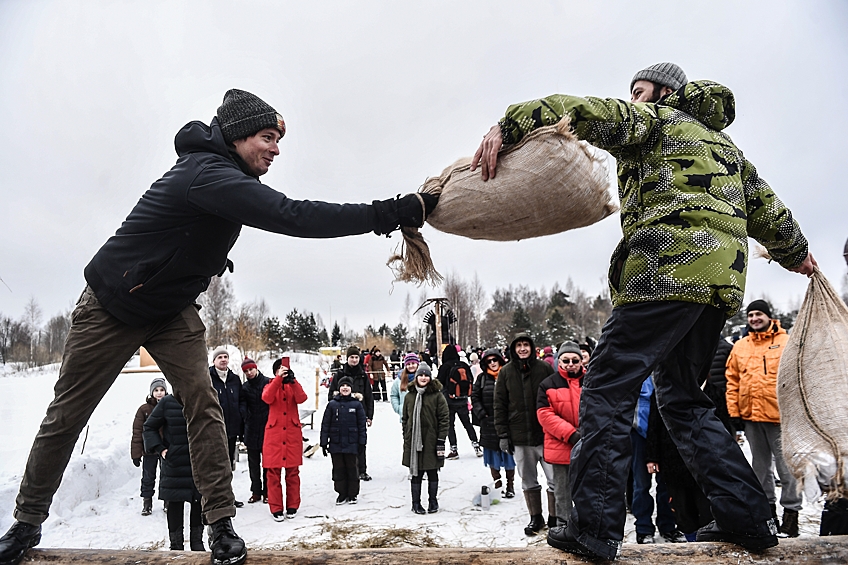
column 799, row 550
column 146, row 364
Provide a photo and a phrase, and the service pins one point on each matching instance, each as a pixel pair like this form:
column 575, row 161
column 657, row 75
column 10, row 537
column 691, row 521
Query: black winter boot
column 15, row 543
column 433, row 492
column 227, row 547
column 416, row 499
column 147, row 507
column 510, row 484
column 195, row 538
column 177, row 541
column 789, row 527
column 533, row 499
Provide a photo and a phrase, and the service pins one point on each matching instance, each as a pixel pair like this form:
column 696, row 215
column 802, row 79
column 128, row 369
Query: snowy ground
column 98, row 504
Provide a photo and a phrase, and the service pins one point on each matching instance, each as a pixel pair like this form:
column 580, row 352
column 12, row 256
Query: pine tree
column 336, row 336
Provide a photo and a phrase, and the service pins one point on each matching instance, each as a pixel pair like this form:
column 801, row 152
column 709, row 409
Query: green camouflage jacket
column 689, row 198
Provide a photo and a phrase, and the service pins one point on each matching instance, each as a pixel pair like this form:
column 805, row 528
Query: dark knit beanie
column 352, row 350
column 157, row 382
column 760, row 305
column 568, row 347
column 242, row 114
column 345, row 381
column 248, row 363
column 666, row 74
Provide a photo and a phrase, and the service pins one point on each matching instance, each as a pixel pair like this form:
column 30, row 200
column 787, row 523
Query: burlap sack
column 547, row 183
column 812, row 392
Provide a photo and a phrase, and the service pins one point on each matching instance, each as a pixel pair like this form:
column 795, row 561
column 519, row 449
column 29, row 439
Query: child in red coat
column 283, row 445
column 558, row 407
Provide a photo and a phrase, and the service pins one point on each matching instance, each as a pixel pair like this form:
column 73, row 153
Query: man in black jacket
column 255, row 418
column 142, row 287
column 234, row 406
column 362, row 385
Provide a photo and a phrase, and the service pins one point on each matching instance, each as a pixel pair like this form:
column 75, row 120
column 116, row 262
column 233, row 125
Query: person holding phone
column 283, row 445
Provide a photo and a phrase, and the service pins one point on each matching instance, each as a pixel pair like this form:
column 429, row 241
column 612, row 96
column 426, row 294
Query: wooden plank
column 800, row 550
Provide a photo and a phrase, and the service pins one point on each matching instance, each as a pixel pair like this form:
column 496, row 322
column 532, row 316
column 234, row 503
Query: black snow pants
column 676, row 342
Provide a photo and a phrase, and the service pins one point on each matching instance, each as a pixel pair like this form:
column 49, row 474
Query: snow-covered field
column 98, row 504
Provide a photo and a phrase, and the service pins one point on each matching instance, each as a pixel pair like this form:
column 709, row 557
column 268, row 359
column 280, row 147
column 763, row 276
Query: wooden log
column 832, row 549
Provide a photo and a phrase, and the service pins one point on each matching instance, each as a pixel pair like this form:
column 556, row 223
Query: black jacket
column 231, row 400
column 450, row 361
column 179, row 233
column 175, row 480
column 361, row 385
column 256, row 411
column 343, row 428
column 516, row 393
column 483, row 410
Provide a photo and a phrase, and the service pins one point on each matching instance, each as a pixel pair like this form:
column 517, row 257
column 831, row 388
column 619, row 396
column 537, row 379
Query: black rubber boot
column 227, row 547
column 195, row 538
column 147, row 507
column 416, row 499
column 533, row 499
column 433, row 492
column 15, row 543
column 177, row 541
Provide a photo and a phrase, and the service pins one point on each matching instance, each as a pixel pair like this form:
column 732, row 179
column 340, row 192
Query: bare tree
column 32, row 320
column 218, row 303
column 478, row 298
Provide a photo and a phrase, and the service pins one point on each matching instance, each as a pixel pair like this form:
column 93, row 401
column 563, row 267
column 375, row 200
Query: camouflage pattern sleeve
column 603, row 122
column 770, row 222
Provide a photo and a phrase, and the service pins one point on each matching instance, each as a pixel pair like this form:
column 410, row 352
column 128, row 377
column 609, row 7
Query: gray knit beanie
column 157, row 382
column 242, row 114
column 568, row 347
column 219, row 351
column 424, row 369
column 666, row 74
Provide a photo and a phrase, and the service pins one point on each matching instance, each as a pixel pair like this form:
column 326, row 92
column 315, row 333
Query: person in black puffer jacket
column 343, row 430
column 361, row 385
column 165, row 433
column 483, row 413
column 255, row 418
column 456, row 379
column 716, row 385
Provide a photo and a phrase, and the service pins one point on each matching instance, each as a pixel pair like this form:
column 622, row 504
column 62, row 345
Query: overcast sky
column 377, row 96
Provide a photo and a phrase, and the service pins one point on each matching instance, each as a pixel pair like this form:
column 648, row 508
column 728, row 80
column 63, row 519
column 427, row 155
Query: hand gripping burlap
column 812, row 391
column 547, row 183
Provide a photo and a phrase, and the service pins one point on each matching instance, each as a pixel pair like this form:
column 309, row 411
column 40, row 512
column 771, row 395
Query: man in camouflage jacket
column 689, row 200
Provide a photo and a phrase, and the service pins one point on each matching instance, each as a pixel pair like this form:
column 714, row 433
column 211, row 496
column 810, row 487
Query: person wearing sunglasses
column 558, row 407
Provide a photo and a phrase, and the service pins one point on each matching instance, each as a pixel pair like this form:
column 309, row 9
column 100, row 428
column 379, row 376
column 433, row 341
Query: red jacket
column 283, row 445
column 558, row 407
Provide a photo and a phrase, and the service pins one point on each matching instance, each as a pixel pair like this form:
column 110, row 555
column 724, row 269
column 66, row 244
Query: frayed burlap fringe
column 547, row 183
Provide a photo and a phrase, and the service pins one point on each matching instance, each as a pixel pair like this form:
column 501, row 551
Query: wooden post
column 437, row 309
column 317, row 385
column 808, row 550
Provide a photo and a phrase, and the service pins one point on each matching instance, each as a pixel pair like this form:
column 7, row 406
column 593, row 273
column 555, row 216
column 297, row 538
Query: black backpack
column 459, row 381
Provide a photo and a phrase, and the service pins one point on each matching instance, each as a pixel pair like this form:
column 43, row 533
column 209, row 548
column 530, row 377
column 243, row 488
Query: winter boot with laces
column 227, row 547
column 147, row 506
column 478, row 451
column 454, row 454
column 15, row 543
column 789, row 525
column 195, row 538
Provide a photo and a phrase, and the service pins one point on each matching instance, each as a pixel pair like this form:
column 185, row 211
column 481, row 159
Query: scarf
column 417, row 442
column 494, row 373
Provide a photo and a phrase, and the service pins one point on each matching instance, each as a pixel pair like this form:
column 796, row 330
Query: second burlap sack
column 547, row 183
column 812, row 392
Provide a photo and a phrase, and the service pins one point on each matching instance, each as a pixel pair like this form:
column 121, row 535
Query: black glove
column 440, row 449
column 324, row 450
column 404, row 211
column 574, row 438
column 137, row 461
column 738, row 424
column 289, row 378
column 506, row 446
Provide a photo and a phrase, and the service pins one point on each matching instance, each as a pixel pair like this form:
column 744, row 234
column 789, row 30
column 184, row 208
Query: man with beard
column 359, row 384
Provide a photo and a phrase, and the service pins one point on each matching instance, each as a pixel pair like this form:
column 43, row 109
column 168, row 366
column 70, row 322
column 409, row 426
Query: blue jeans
column 643, row 504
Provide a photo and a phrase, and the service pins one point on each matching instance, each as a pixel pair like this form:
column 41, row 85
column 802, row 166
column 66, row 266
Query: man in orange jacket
column 752, row 404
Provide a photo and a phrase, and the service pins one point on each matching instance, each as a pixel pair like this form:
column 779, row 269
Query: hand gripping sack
column 547, row 183
column 812, row 392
